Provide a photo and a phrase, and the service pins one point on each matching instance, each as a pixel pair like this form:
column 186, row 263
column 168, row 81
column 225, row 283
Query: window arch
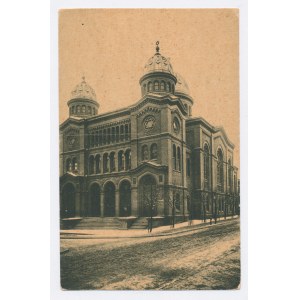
column 156, row 86
column 97, row 163
column 89, row 110
column 122, row 133
column 206, row 166
column 112, row 165
column 73, row 109
column 126, row 132
column 145, row 88
column 162, row 86
column 128, row 159
column 74, row 164
column 153, row 151
column 168, row 86
column 220, row 171
column 150, row 86
column 91, row 164
column 145, row 152
column 83, row 109
column 105, row 162
column 179, row 158
column 121, row 159
column 174, row 157
column 78, row 109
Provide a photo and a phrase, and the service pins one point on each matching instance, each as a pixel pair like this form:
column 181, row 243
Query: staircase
column 140, row 223
column 98, row 223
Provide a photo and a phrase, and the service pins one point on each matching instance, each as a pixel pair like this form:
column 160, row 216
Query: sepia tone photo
column 149, row 149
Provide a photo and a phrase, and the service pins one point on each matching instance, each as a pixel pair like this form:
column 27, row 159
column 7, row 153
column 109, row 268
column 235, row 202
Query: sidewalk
column 139, row 233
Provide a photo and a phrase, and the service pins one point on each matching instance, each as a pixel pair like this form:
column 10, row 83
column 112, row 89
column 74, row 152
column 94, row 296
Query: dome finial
column 157, row 48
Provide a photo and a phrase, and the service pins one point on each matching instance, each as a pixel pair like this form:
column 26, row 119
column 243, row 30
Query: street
column 208, row 258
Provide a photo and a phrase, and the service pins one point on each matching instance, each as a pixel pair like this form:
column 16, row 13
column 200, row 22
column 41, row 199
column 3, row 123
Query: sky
column 110, row 47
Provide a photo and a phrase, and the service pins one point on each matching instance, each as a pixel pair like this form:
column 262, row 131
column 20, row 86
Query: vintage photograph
column 149, row 149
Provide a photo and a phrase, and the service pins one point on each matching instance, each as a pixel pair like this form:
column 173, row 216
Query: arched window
column 73, row 109
column 178, row 158
column 150, row 86
column 83, row 109
column 188, row 167
column 94, row 111
column 126, row 132
column 89, row 110
column 122, row 133
column 117, row 134
column 162, row 86
column 108, row 136
column 68, row 165
column 121, row 159
column 153, row 151
column 78, row 109
column 104, row 136
column 206, row 166
column 145, row 88
column 168, row 86
column 97, row 161
column 174, row 157
column 128, row 159
column 74, row 164
column 112, row 165
column 230, row 175
column 92, row 137
column 91, row 165
column 105, row 162
column 100, row 137
column 220, row 171
column 145, row 152
column 96, row 138
column 156, row 86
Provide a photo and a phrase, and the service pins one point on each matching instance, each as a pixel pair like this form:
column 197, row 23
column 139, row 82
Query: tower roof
column 158, row 63
column 83, row 91
column 181, row 85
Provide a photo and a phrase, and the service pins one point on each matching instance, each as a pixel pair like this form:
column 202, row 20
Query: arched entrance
column 67, row 203
column 125, row 199
column 148, row 194
column 109, row 200
column 94, row 198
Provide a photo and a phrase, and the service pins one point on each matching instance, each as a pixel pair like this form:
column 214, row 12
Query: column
column 117, row 203
column 134, row 202
column 102, row 204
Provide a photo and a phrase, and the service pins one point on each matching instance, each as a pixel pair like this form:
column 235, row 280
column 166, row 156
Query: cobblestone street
column 208, row 258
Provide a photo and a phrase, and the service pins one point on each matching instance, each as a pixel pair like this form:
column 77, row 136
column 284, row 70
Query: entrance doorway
column 67, row 204
column 125, row 199
column 109, row 200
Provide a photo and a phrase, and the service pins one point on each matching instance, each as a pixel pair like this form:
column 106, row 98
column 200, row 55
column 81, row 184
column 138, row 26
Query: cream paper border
column 56, row 292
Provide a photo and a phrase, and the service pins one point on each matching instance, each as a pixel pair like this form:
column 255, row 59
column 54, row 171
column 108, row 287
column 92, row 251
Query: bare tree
column 150, row 199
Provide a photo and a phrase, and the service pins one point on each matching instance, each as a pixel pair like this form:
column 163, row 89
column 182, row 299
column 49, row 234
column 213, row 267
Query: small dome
column 181, row 85
column 158, row 63
column 83, row 91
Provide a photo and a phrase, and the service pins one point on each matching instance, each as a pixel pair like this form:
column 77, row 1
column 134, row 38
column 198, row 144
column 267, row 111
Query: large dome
column 181, row 85
column 158, row 63
column 83, row 91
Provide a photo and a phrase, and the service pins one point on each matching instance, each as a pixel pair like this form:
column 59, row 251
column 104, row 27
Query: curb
column 78, row 236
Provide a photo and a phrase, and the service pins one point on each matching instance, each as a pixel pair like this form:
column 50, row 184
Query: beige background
column 111, row 46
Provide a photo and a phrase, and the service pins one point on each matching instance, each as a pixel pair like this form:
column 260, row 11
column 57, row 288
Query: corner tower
column 83, row 102
column 158, row 76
